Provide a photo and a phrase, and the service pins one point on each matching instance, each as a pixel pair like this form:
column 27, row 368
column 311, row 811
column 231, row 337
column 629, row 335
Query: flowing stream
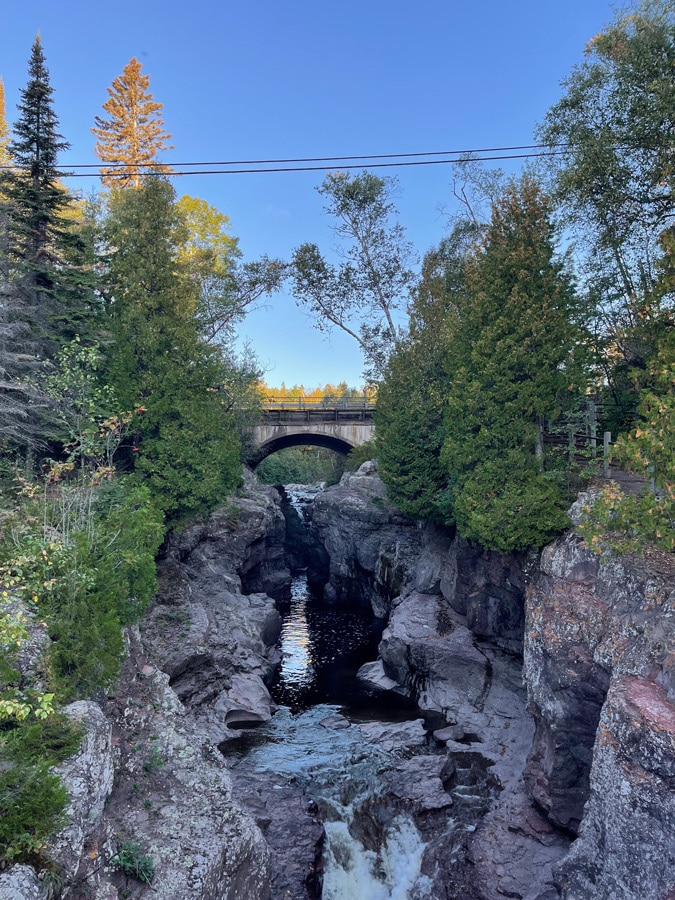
column 318, row 742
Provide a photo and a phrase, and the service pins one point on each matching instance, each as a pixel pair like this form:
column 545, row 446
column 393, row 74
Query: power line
column 318, row 159
column 332, row 168
column 389, row 160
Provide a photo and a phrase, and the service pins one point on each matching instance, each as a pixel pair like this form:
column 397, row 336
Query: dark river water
column 323, row 647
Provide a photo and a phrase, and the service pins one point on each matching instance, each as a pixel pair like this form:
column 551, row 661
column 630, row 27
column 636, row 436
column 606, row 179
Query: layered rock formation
column 599, row 665
column 149, row 791
column 549, row 680
column 589, row 751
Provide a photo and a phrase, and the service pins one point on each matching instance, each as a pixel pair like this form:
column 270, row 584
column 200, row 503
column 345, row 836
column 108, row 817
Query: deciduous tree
column 4, row 127
column 615, row 183
column 366, row 295
column 227, row 288
column 133, row 134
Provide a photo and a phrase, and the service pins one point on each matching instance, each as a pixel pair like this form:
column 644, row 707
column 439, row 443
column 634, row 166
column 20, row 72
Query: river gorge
column 327, row 700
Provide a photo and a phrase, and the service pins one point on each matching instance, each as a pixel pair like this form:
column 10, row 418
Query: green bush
column 89, row 584
column 134, row 862
column 32, row 803
column 49, row 740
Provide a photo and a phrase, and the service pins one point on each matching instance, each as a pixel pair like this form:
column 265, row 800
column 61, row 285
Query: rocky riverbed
column 545, row 681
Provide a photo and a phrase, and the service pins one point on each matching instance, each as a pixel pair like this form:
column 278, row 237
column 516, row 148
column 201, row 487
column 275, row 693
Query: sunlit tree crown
column 133, row 134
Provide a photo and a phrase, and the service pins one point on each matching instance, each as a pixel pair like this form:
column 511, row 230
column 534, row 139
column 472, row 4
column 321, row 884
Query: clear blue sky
column 305, row 78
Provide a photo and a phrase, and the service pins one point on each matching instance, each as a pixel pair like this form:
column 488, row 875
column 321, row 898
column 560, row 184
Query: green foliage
column 47, row 251
column 85, row 407
column 49, row 740
column 625, row 523
column 301, row 465
column 363, row 295
column 90, row 583
column 32, row 803
column 511, row 367
column 506, row 507
column 409, row 422
column 32, row 798
column 186, row 443
column 411, row 401
column 134, row 862
column 613, row 177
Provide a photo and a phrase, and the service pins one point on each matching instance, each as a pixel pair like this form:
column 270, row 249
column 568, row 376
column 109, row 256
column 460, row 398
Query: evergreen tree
column 133, row 134
column 46, row 294
column 511, row 367
column 411, row 399
column 187, row 448
column 47, row 263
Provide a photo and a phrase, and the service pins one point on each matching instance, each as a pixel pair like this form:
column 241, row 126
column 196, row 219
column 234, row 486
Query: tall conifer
column 46, row 249
column 133, row 134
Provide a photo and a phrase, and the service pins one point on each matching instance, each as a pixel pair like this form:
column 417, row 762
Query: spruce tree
column 133, row 134
column 411, row 399
column 46, row 253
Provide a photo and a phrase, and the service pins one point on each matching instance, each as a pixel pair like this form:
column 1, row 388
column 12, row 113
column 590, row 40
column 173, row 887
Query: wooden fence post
column 606, row 441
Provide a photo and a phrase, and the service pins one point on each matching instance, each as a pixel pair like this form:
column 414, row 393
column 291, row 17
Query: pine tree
column 47, row 254
column 46, row 294
column 133, row 134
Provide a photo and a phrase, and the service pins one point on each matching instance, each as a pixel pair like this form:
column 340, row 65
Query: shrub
column 134, row 862
column 32, row 803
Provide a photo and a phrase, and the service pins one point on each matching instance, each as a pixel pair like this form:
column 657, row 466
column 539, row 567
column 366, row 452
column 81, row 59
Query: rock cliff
column 549, row 680
column 556, row 671
column 149, row 789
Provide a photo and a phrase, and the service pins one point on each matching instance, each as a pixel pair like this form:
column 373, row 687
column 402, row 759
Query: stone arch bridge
column 338, row 425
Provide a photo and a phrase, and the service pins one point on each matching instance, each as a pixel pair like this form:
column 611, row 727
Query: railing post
column 606, row 441
column 592, row 417
column 570, row 442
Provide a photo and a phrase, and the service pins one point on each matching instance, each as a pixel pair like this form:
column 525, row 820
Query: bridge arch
column 339, row 427
column 303, row 439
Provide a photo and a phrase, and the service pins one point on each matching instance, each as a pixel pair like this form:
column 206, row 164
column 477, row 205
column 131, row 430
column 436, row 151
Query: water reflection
column 297, row 671
column 323, row 646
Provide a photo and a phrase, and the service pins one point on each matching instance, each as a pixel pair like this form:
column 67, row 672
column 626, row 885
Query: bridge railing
column 359, row 401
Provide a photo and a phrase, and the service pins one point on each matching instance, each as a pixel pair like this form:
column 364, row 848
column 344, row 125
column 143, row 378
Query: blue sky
column 308, row 79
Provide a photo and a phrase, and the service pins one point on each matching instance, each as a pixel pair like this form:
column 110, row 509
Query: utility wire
column 125, row 173
column 318, row 159
column 123, row 170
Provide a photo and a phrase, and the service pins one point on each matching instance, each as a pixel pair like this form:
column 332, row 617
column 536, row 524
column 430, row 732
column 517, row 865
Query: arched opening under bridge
column 303, row 439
